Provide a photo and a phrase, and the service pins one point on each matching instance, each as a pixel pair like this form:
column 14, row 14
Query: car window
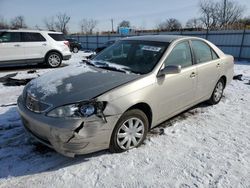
column 180, row 55
column 203, row 52
column 214, row 55
column 57, row 37
column 32, row 37
column 10, row 37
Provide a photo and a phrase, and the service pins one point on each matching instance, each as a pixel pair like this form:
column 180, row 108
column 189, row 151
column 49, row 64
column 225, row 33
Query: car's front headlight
column 78, row 110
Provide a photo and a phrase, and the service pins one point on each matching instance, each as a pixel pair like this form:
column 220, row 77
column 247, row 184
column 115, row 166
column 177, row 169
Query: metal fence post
column 242, row 42
column 97, row 40
column 87, row 41
column 207, row 34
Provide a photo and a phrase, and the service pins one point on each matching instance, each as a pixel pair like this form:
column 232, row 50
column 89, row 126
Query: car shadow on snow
column 195, row 110
column 22, row 155
column 26, row 67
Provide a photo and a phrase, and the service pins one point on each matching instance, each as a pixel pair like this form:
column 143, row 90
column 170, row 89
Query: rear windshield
column 57, row 37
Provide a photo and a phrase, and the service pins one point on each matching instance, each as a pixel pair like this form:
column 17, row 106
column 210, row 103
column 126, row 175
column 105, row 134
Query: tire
column 129, row 132
column 217, row 93
column 75, row 50
column 53, row 60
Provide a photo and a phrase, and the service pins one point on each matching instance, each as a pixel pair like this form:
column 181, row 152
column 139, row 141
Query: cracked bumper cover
column 93, row 133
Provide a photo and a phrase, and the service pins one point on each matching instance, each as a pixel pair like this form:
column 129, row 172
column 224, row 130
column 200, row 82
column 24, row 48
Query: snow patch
column 68, row 87
column 48, row 83
column 207, row 146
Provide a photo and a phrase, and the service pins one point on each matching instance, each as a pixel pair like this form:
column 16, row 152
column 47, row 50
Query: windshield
column 134, row 56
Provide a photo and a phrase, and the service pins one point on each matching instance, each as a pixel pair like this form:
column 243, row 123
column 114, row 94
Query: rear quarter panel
column 228, row 67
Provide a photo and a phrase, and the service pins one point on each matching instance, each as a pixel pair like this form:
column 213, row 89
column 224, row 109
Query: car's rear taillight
column 66, row 43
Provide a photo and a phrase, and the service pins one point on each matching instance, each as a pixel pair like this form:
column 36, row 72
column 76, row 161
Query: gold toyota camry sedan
column 114, row 99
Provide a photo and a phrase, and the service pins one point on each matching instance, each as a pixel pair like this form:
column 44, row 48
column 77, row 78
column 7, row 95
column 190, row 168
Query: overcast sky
column 141, row 13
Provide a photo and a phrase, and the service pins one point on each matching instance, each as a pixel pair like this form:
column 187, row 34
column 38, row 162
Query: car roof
column 29, row 30
column 157, row 38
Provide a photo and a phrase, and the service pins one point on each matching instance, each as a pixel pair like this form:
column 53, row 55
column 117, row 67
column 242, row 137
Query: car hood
column 76, row 83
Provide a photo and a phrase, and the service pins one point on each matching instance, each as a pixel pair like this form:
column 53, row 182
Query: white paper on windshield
column 151, row 48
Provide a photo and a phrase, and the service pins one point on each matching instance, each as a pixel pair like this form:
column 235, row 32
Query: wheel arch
column 145, row 108
column 51, row 51
column 224, row 78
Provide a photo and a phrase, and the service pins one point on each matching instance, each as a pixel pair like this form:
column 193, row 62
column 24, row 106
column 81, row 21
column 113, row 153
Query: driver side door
column 175, row 92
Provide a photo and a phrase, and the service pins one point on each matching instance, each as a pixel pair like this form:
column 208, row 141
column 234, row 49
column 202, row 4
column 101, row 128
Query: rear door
column 208, row 68
column 11, row 48
column 35, row 45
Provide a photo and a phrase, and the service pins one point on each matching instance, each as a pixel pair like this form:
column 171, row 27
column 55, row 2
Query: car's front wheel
column 130, row 131
column 217, row 93
column 53, row 60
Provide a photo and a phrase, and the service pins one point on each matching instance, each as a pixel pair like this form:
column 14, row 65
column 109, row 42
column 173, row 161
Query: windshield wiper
column 88, row 62
column 104, row 65
column 111, row 68
column 132, row 71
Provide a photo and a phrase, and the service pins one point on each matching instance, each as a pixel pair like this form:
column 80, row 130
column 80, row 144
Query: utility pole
column 224, row 12
column 112, row 25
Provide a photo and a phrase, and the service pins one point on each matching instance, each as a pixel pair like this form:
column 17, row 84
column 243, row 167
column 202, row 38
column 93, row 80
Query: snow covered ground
column 207, row 146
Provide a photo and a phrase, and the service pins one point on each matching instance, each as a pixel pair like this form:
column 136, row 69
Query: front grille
column 34, row 105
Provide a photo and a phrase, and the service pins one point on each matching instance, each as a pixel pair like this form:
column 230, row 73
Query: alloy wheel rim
column 54, row 60
column 130, row 133
column 218, row 91
column 75, row 50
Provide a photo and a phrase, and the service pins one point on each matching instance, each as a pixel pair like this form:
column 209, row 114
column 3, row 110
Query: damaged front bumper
column 69, row 136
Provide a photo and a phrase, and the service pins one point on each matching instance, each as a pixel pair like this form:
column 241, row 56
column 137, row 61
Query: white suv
column 33, row 46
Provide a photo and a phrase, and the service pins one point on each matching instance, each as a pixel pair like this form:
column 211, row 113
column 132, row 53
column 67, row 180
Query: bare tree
column 124, row 23
column 18, row 22
column 3, row 23
column 50, row 23
column 37, row 27
column 170, row 25
column 194, row 23
column 218, row 15
column 87, row 25
column 62, row 22
column 229, row 12
column 208, row 11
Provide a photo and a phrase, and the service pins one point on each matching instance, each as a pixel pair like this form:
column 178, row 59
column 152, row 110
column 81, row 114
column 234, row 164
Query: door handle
column 192, row 75
column 218, row 65
column 17, row 45
column 44, row 44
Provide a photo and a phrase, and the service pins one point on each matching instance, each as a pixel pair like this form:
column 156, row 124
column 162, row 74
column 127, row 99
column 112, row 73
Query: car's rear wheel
column 217, row 93
column 75, row 49
column 53, row 60
column 130, row 131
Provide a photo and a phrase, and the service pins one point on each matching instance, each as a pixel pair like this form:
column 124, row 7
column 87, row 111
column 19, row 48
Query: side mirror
column 170, row 69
